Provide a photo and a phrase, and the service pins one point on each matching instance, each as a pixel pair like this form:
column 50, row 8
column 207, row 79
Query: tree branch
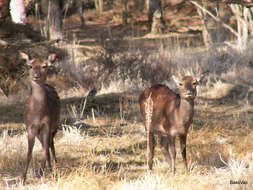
column 245, row 3
column 215, row 18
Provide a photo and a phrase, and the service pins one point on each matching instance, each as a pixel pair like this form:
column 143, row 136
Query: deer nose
column 189, row 92
column 36, row 75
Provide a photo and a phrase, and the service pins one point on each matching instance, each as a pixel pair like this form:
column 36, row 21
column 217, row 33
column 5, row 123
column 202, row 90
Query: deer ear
column 51, row 58
column 177, row 81
column 25, row 57
column 201, row 76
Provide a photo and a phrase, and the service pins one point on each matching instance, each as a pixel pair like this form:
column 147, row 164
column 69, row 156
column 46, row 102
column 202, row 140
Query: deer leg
column 172, row 151
column 45, row 142
column 31, row 140
column 182, row 139
column 150, row 150
column 40, row 137
column 164, row 146
column 53, row 149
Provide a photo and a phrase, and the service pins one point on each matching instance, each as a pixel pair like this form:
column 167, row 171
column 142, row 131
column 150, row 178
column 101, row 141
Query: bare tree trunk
column 81, row 11
column 124, row 12
column 52, row 9
column 216, row 35
column 4, row 10
column 219, row 28
column 244, row 18
column 99, row 4
column 248, row 18
column 157, row 24
column 234, row 32
column 154, row 6
column 243, row 24
column 127, row 8
column 245, row 3
column 17, row 10
column 251, row 21
column 206, row 33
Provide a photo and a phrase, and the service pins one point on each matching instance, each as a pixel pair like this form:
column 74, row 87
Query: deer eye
column 194, row 83
column 44, row 66
column 180, row 84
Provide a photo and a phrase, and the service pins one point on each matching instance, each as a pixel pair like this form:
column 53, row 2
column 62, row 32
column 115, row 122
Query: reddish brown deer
column 168, row 115
column 42, row 110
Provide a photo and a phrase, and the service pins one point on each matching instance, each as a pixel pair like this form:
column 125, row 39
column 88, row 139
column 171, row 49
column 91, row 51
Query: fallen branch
column 247, row 4
column 216, row 18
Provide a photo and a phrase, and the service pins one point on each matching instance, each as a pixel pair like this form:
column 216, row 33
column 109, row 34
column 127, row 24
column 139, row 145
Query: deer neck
column 185, row 109
column 186, row 103
column 38, row 91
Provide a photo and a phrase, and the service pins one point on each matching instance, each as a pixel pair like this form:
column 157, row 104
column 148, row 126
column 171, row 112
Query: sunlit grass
column 101, row 144
column 109, row 154
column 107, row 150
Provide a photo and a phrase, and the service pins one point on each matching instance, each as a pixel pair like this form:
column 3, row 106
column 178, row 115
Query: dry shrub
column 11, row 149
column 133, row 70
column 108, row 155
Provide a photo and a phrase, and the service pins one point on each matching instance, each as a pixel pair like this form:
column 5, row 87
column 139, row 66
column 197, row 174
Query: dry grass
column 102, row 145
column 110, row 153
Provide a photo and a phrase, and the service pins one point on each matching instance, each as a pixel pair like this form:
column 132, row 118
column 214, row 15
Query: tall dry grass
column 106, row 148
column 118, row 162
column 110, row 153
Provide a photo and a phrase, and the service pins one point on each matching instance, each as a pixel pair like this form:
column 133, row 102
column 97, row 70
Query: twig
column 225, row 163
column 207, row 37
column 216, row 19
column 240, row 2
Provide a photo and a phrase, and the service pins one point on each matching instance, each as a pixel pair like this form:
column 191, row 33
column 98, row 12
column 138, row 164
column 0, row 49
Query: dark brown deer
column 168, row 115
column 42, row 110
